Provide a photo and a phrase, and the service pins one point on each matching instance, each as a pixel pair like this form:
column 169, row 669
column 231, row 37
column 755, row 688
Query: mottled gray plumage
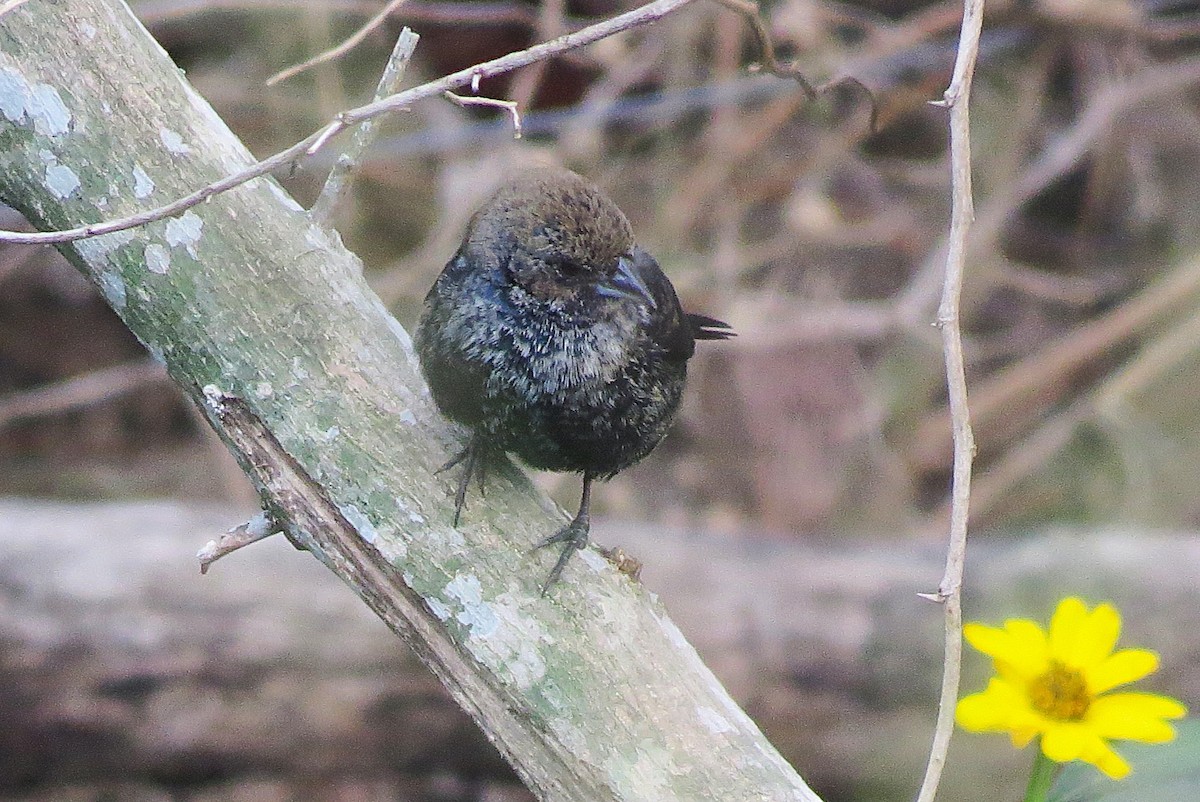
column 552, row 336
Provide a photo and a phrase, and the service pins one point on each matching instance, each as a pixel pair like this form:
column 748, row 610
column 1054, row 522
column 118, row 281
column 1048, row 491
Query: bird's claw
column 455, row 460
column 476, row 465
column 573, row 536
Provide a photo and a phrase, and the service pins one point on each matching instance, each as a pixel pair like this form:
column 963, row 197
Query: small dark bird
column 552, row 336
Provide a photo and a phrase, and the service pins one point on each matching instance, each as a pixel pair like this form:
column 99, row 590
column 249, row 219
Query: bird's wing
column 668, row 326
column 674, row 331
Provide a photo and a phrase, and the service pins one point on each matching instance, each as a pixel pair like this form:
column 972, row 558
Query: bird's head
column 558, row 238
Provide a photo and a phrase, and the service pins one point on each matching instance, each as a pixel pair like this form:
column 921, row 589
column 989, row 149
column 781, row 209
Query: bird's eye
column 569, row 268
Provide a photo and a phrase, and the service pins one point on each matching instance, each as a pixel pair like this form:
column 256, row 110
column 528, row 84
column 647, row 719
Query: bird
column 550, row 335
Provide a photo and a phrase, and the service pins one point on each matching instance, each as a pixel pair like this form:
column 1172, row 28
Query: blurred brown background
column 815, row 236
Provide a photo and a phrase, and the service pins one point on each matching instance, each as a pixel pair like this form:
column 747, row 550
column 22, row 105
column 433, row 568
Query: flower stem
column 1041, row 777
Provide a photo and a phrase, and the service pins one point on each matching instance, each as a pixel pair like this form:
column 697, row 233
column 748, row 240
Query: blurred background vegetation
column 812, row 228
column 817, row 237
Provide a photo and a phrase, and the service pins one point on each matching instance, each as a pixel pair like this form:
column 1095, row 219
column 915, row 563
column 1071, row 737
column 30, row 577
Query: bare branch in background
column 343, row 170
column 770, row 61
column 76, row 392
column 352, row 41
column 348, row 119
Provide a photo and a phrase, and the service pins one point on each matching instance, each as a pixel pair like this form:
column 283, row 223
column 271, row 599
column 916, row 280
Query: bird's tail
column 709, row 328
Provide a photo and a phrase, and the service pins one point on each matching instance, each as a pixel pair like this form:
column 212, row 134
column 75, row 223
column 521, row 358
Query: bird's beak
column 625, row 283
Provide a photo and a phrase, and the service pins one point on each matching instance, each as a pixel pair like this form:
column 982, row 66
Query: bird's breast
column 566, row 360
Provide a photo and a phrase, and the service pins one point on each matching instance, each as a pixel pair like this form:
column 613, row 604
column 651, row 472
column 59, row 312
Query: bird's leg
column 475, row 465
column 573, row 536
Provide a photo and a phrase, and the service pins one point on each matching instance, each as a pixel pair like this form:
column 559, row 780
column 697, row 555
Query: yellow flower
column 1056, row 685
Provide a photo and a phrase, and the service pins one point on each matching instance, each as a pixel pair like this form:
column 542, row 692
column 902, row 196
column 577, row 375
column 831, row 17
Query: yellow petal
column 1097, row 752
column 1097, row 637
column 1111, row 764
column 1064, row 742
column 989, row 711
column 1018, row 650
column 985, row 639
column 1127, row 665
column 1079, row 638
column 1067, row 615
column 1065, row 622
column 1134, row 717
column 976, row 713
column 1029, row 648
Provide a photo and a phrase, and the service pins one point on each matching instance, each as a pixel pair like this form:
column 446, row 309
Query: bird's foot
column 573, row 536
column 455, row 460
column 476, row 465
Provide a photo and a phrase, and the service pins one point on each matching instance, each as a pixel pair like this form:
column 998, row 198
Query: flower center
column 1061, row 693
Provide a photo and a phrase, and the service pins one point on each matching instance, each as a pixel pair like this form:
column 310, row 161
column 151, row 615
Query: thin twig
column 257, row 528
column 770, row 63
column 352, row 41
column 510, row 106
column 311, row 144
column 957, row 99
column 343, row 169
